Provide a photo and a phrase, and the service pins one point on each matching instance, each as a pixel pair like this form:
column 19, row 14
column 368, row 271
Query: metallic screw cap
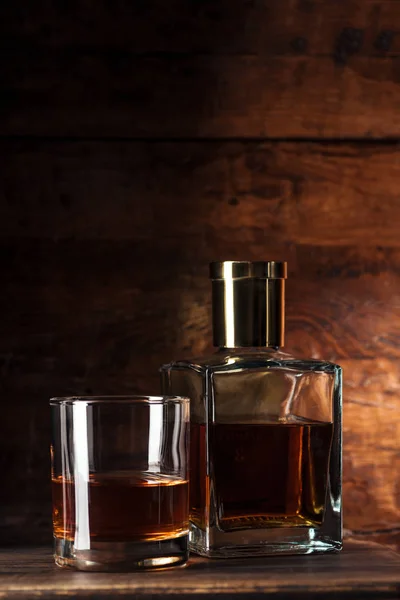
column 248, row 303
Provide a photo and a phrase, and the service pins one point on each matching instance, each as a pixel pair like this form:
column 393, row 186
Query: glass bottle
column 265, row 427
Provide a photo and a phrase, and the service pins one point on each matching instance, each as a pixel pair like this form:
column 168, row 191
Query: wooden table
column 359, row 572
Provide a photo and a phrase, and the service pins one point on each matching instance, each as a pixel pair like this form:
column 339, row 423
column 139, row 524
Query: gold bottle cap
column 248, row 303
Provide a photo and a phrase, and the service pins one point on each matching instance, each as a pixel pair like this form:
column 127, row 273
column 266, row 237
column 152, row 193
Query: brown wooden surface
column 297, row 68
column 215, row 197
column 360, row 571
column 199, row 96
column 104, row 244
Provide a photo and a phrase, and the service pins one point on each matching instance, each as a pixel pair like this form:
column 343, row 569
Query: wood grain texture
column 311, row 27
column 371, row 431
column 96, row 94
column 359, row 571
column 303, row 68
column 234, row 192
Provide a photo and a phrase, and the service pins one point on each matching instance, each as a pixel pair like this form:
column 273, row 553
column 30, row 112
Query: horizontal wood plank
column 102, row 93
column 311, row 27
column 360, row 571
column 136, row 296
column 211, row 195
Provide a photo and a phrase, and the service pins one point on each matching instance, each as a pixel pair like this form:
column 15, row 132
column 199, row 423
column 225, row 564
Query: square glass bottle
column 266, row 428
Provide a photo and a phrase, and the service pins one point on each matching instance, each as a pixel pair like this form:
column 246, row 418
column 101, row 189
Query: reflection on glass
column 120, row 481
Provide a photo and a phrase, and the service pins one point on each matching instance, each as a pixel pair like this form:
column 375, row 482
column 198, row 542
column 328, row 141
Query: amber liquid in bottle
column 262, row 475
column 124, row 506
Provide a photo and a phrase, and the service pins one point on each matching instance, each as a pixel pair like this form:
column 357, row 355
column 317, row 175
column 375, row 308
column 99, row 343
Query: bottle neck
column 248, row 312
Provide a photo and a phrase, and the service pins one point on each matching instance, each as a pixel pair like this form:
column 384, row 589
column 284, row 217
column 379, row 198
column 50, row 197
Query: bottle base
column 122, row 556
column 255, row 543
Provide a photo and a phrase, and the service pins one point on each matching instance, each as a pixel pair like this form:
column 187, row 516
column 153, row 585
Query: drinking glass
column 119, row 471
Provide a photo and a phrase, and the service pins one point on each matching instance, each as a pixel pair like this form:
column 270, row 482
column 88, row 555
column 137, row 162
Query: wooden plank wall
column 139, row 140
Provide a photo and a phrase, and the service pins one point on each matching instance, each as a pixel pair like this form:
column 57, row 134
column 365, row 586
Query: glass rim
column 117, row 399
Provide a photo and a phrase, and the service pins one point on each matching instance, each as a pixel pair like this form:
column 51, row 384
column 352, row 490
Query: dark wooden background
column 141, row 139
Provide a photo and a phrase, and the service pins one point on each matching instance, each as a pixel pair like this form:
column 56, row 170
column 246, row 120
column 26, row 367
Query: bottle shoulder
column 243, row 358
column 256, row 386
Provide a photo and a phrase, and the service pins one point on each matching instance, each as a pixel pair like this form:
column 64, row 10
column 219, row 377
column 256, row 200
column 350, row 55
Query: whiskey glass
column 119, row 471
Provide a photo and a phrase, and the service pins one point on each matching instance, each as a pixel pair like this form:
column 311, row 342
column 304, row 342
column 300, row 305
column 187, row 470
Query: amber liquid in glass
column 262, row 475
column 124, row 506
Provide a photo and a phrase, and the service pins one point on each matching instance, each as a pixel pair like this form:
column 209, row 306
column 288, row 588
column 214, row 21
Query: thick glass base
column 122, row 556
column 215, row 543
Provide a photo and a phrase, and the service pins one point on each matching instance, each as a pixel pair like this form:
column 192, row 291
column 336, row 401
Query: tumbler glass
column 119, row 471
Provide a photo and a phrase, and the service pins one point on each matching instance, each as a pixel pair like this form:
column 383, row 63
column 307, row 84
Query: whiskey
column 262, row 475
column 124, row 506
